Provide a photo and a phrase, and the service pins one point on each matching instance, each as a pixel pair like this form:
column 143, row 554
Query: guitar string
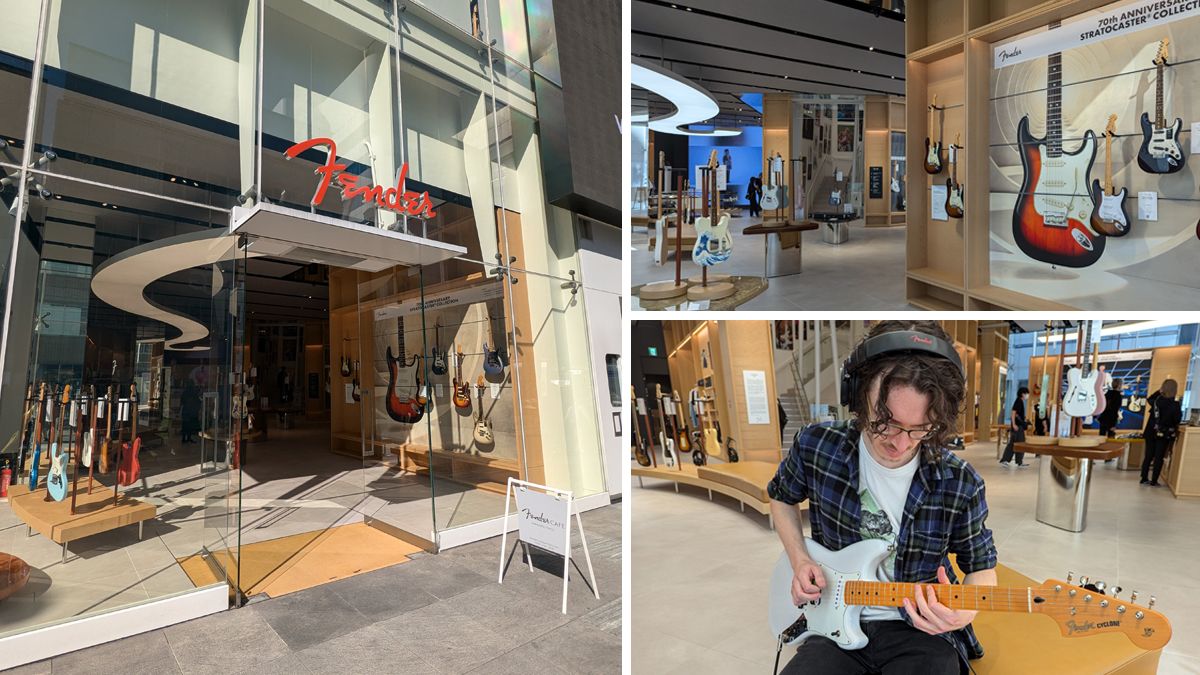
column 1098, row 78
column 1020, row 601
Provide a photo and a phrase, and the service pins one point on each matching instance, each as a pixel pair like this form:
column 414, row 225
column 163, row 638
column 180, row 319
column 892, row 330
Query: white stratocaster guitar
column 713, row 243
column 851, row 584
column 1085, row 388
column 1108, row 216
column 660, row 225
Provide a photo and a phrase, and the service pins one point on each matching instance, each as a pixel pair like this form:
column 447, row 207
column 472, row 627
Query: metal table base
column 1062, row 496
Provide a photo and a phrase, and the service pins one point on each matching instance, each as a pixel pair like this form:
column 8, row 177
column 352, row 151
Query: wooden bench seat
column 749, row 477
column 739, row 480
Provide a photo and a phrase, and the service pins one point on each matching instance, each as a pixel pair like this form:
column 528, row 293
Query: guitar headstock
column 42, row 392
column 66, row 394
column 1085, row 610
column 1111, row 128
column 658, row 392
column 1160, row 58
column 712, row 159
column 958, row 141
column 933, row 106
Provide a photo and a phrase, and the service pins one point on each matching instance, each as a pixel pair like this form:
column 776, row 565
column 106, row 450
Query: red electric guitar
column 1054, row 209
column 129, row 468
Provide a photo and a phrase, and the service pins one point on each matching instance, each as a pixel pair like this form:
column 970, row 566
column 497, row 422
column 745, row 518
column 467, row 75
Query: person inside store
column 1040, row 420
column 1162, row 425
column 1113, row 399
column 783, row 418
column 1017, row 424
column 189, row 412
column 754, row 195
column 888, row 471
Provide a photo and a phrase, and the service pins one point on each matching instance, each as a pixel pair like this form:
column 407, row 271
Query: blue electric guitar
column 37, row 435
column 56, row 480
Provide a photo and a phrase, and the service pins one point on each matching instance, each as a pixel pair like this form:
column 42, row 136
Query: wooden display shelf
column 938, row 51
column 479, row 471
column 937, row 277
column 95, row 512
column 1004, row 299
column 933, row 297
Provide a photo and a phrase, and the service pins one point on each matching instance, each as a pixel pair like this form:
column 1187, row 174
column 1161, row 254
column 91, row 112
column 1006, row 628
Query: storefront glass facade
column 150, row 122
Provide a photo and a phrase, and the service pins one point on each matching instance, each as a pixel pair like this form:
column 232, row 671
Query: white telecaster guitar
column 851, row 584
column 713, row 243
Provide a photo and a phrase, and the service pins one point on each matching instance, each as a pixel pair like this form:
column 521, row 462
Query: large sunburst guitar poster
column 1103, row 99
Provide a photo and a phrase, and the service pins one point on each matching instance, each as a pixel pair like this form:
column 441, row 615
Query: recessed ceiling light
column 870, row 49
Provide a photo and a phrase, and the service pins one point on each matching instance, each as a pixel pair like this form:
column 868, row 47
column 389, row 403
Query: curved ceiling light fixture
column 121, row 280
column 692, row 103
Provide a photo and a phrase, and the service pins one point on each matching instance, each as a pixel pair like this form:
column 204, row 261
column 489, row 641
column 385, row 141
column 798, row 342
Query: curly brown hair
column 934, row 376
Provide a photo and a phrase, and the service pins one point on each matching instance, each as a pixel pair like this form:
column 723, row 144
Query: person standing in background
column 1113, row 398
column 754, row 195
column 727, row 162
column 1161, row 426
column 1017, row 425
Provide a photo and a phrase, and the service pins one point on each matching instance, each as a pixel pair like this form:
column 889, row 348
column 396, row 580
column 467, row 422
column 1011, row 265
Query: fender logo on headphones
column 921, row 340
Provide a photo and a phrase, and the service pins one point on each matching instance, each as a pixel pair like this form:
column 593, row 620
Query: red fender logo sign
column 396, row 199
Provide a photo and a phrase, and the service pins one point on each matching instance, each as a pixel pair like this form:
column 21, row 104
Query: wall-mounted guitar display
column 954, row 189
column 1160, row 151
column 438, row 363
column 1108, row 212
column 933, row 150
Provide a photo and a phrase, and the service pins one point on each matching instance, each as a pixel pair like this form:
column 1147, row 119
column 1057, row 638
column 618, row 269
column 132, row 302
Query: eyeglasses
column 916, row 435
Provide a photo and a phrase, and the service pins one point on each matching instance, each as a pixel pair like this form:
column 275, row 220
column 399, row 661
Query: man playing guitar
column 887, row 474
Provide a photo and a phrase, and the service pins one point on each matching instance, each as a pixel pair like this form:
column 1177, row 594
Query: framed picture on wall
column 845, row 137
column 845, row 112
column 807, row 129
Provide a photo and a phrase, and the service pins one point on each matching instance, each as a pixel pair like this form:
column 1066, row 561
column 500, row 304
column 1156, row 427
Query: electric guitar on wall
column 356, row 391
column 851, row 584
column 933, row 151
column 438, row 365
column 681, row 434
column 409, row 410
column 639, row 443
column 1053, row 210
column 1160, row 151
column 1108, row 216
column 345, row 366
column 56, row 479
column 666, row 435
column 483, row 434
column 1085, row 388
column 462, row 389
column 713, row 243
column 491, row 361
column 954, row 189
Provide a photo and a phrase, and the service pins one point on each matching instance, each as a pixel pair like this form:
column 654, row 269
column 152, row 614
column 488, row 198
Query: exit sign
column 653, row 351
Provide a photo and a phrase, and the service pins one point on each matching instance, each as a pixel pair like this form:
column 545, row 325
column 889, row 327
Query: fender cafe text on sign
column 394, row 198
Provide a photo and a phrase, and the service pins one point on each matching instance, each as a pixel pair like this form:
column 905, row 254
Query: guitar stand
column 664, row 290
column 716, row 286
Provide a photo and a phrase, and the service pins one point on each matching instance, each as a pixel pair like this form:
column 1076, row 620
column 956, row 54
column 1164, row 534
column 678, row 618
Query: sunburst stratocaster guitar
column 1053, row 210
column 851, row 584
column 1108, row 215
column 1160, row 151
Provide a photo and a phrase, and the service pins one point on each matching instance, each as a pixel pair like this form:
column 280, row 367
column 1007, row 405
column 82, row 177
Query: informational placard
column 937, row 202
column 641, row 406
column 1121, row 19
column 876, row 182
column 1148, row 206
column 542, row 519
column 1195, row 138
column 758, row 410
column 466, row 296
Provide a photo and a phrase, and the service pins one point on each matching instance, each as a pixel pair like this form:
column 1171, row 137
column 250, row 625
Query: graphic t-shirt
column 883, row 493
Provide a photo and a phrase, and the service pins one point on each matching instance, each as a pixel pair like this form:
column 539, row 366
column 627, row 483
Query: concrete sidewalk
column 441, row 613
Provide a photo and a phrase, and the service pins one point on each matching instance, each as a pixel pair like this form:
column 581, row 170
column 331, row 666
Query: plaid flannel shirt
column 945, row 511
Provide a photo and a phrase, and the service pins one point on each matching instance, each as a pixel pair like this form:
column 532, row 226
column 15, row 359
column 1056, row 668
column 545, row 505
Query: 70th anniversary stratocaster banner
column 1057, row 157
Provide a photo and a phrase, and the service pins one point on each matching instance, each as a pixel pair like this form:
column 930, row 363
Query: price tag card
column 1195, row 137
column 437, row 390
column 495, row 388
column 937, row 202
column 641, row 406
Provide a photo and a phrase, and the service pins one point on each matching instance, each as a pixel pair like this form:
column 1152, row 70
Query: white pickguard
column 1080, row 399
column 86, row 458
column 1110, row 209
column 933, row 157
column 668, row 451
column 829, row 616
column 1062, row 187
column 660, row 236
column 1163, row 143
column 956, row 199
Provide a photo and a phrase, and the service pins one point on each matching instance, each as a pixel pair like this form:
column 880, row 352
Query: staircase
column 794, row 399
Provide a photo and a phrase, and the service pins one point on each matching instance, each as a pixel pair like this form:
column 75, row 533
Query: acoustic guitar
column 851, row 583
column 1108, row 213
column 1160, row 151
column 56, row 479
column 1053, row 209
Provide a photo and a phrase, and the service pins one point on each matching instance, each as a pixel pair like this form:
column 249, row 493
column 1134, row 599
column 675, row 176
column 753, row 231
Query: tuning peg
column 1100, row 586
column 1151, row 605
column 1116, row 590
column 1069, row 575
column 1133, row 597
column 1083, row 581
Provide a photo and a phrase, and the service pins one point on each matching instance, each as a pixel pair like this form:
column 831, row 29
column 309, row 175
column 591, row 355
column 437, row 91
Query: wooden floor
column 289, row 564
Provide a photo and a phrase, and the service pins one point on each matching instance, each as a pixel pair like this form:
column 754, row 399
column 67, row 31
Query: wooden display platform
column 663, row 290
column 479, row 471
column 733, row 485
column 713, row 291
column 94, row 512
column 1109, row 450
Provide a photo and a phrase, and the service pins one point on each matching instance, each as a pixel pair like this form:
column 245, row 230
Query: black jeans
column 1156, row 449
column 1014, row 437
column 893, row 648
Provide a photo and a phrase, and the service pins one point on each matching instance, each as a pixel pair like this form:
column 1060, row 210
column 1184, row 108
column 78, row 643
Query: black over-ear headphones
column 895, row 342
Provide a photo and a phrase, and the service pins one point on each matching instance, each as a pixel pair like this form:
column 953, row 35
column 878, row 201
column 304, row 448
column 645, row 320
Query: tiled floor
column 866, row 272
column 441, row 613
column 289, row 485
column 1137, row 537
